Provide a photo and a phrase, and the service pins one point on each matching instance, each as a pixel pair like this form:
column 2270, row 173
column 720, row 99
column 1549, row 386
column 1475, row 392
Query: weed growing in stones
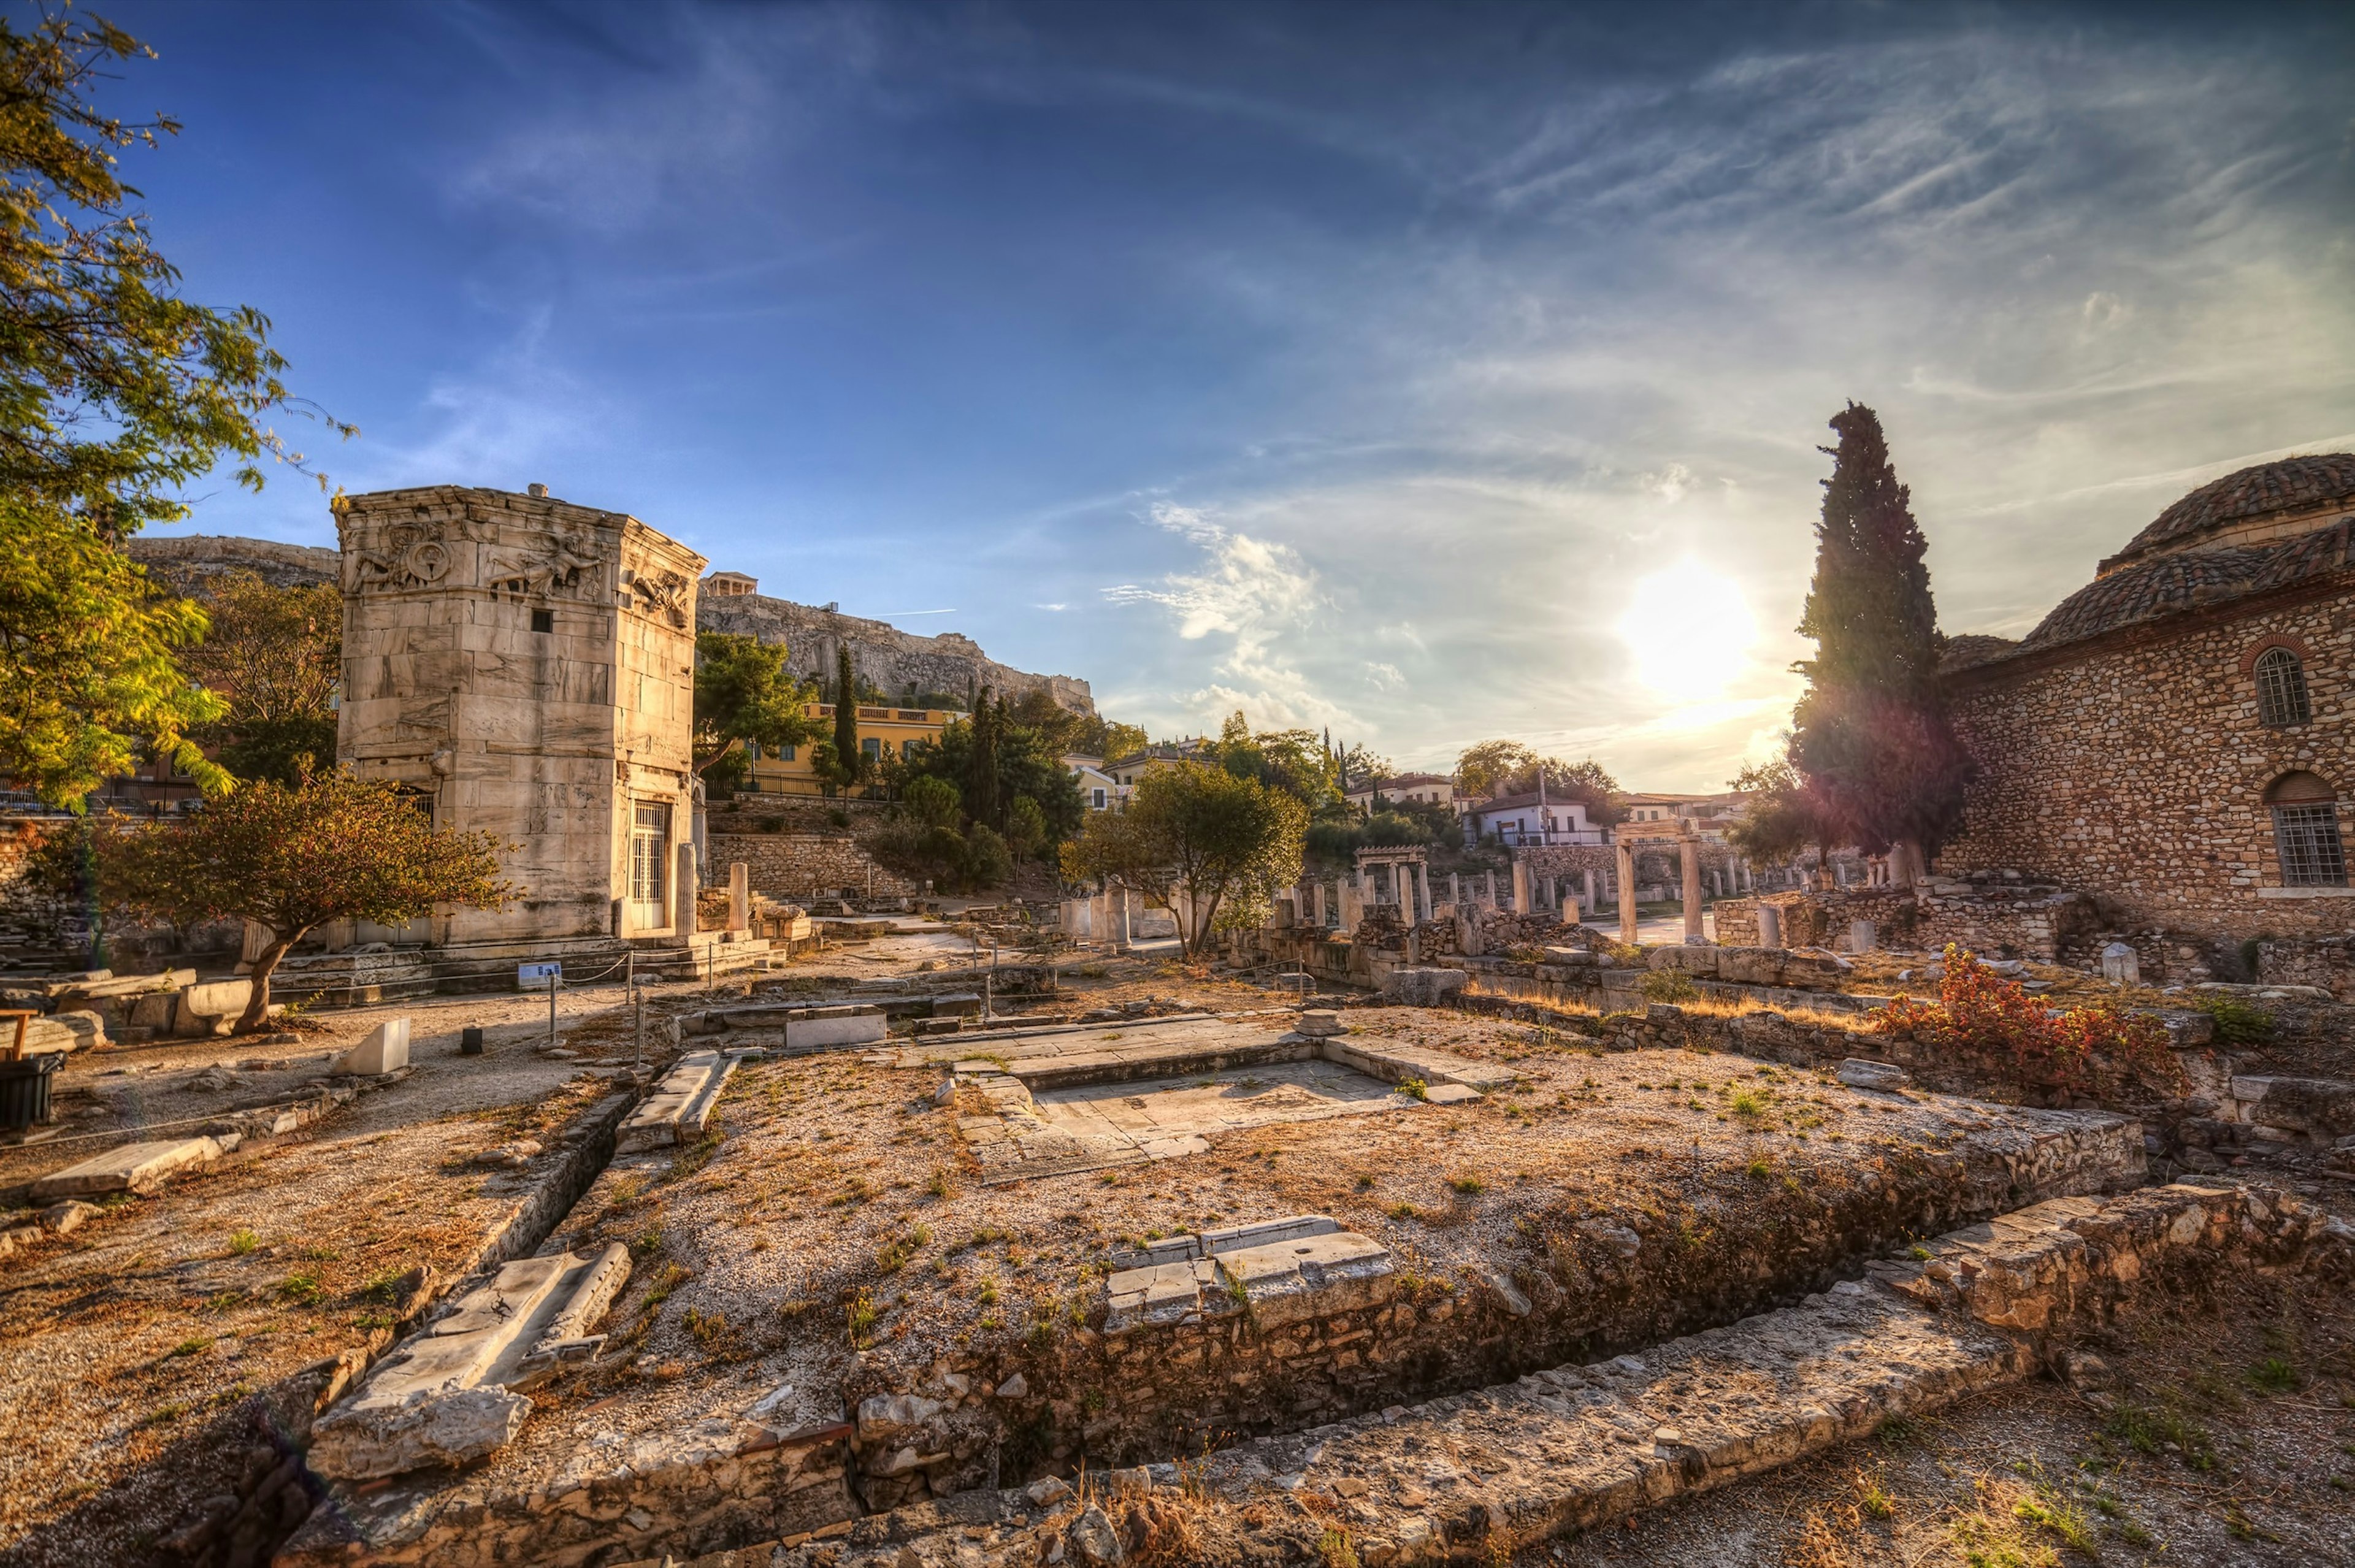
column 2150, row 1431
column 300, row 1289
column 1414, row 1089
column 241, row 1241
column 2276, row 1374
column 859, row 1319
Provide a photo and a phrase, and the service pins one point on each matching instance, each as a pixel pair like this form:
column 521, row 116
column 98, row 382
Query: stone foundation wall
column 1568, row 1286
column 791, row 864
column 1999, row 917
column 2325, row 961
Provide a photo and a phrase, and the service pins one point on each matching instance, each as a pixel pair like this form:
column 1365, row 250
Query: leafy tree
column 1495, row 768
column 292, row 859
column 931, row 801
column 988, row 862
column 114, row 394
column 1872, row 735
column 849, row 764
column 1025, row 828
column 1355, row 766
column 1783, row 817
column 1086, row 734
column 1026, row 763
column 1293, row 760
column 743, row 694
column 1200, row 840
column 275, row 656
column 88, row 677
column 114, row 391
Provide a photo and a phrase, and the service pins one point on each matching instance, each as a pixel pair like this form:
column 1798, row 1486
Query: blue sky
column 1433, row 374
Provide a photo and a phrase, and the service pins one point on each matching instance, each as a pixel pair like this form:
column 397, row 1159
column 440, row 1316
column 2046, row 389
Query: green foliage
column 987, row 863
column 742, row 693
column 931, row 801
column 1667, row 986
column 1293, row 761
column 2237, row 1022
column 1784, row 814
column 114, row 392
column 1217, row 843
column 292, row 857
column 1872, row 736
column 1507, row 767
column 1026, row 764
column 275, row 656
column 1026, row 829
column 88, row 677
column 1086, row 734
column 846, row 762
column 982, row 791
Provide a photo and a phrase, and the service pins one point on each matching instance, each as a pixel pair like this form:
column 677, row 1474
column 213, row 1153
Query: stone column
column 1121, row 932
column 684, row 888
column 1626, row 893
column 1689, row 852
column 739, row 897
column 1490, row 898
column 1592, row 902
column 1455, row 889
column 1520, row 886
column 1769, row 926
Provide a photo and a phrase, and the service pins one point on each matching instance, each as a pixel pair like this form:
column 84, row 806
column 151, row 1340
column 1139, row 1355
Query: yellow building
column 882, row 731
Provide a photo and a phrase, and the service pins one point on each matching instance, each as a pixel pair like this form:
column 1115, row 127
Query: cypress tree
column 848, row 760
column 1872, row 735
column 981, row 760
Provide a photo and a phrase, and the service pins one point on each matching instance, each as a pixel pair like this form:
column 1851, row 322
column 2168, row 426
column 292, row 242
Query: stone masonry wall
column 2138, row 768
column 793, row 865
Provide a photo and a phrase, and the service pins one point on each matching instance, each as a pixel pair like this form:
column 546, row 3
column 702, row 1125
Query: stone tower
column 527, row 667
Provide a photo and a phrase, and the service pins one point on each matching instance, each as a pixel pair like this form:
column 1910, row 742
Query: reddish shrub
column 1984, row 1022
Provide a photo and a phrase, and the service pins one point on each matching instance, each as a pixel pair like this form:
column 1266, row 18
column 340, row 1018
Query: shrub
column 1669, row 986
column 1983, row 1021
column 2237, row 1022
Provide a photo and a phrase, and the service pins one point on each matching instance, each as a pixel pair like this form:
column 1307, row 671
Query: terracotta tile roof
column 2192, row 579
column 1974, row 648
column 2290, row 485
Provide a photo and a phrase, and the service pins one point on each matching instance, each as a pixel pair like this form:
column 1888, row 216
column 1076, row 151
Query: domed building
column 2176, row 735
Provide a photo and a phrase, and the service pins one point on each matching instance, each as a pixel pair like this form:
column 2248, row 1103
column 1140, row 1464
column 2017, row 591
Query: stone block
column 76, row 1030
column 1750, row 966
column 1319, row 1023
column 843, row 1026
column 1421, row 986
column 681, row 1102
column 2120, row 964
column 1692, row 958
column 1858, row 1073
column 130, row 1167
column 386, row 1049
column 1308, row 1277
column 425, row 1428
column 957, row 1004
column 218, row 998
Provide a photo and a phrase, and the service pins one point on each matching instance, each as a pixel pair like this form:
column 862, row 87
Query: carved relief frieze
column 661, row 593
column 408, row 553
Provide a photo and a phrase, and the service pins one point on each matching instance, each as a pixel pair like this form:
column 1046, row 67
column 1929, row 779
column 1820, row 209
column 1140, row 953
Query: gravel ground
column 827, row 1186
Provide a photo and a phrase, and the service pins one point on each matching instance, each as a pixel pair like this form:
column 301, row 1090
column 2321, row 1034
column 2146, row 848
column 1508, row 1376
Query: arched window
column 2281, row 689
column 2305, row 832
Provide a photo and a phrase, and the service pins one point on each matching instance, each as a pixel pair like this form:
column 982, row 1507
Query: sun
column 1689, row 631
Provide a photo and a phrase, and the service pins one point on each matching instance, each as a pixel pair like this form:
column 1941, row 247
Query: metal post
column 552, row 1012
column 638, row 999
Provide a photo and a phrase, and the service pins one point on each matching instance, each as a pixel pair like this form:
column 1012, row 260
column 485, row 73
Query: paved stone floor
column 1118, row 1114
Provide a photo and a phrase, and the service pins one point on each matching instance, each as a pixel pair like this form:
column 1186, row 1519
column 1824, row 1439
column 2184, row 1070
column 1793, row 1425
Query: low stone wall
column 797, row 865
column 1995, row 916
column 1569, row 1285
column 2327, row 962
